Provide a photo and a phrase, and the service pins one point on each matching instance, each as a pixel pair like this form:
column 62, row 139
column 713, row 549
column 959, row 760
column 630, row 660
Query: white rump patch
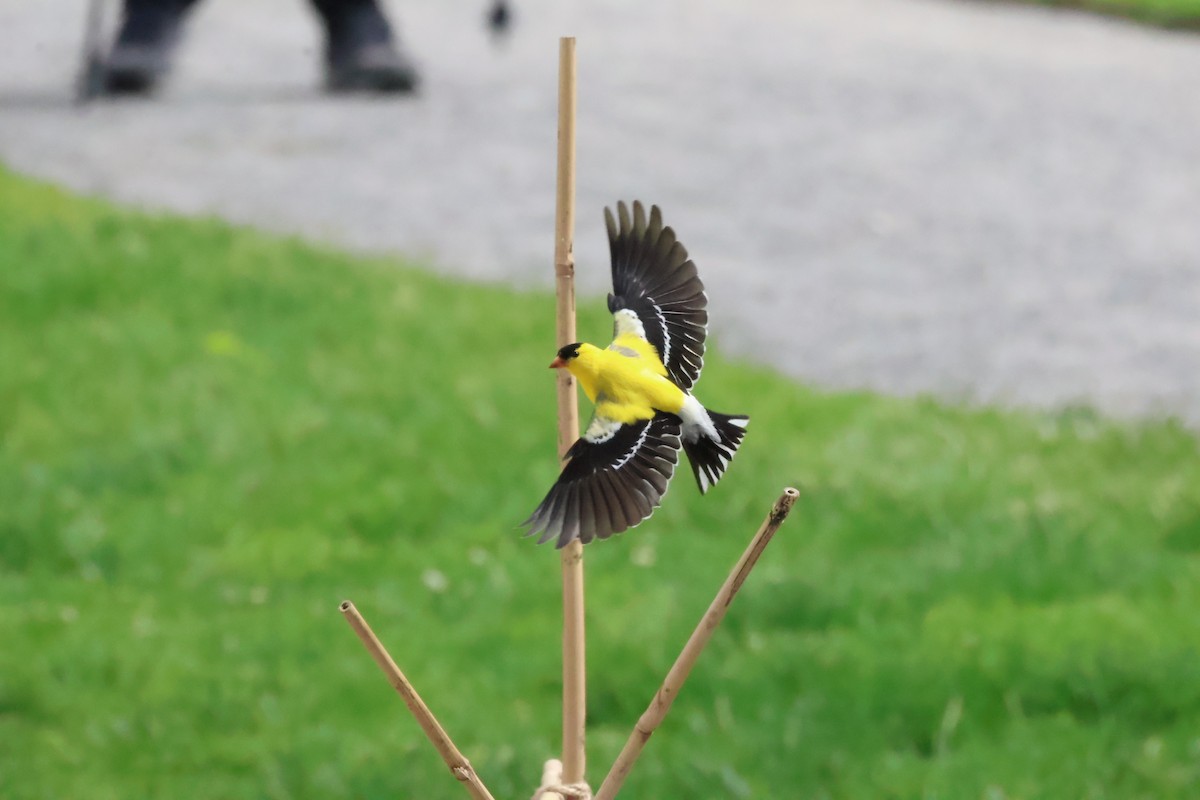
column 696, row 421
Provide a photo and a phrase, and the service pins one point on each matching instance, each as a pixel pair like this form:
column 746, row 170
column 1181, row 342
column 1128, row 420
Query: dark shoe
column 141, row 55
column 361, row 56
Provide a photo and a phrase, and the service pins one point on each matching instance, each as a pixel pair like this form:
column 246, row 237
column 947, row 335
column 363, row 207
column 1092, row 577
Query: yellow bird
column 641, row 384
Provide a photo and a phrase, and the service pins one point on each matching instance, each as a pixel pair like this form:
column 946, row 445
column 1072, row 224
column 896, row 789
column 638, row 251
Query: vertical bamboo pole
column 574, row 667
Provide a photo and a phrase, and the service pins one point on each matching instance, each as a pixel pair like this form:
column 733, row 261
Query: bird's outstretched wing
column 654, row 278
column 617, row 475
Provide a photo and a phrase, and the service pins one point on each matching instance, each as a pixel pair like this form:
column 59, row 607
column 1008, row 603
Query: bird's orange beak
column 558, row 363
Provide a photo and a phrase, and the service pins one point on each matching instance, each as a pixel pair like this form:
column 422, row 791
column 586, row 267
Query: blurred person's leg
column 141, row 53
column 361, row 52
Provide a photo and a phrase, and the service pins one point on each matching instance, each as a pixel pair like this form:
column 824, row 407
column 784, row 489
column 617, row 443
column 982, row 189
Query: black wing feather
column 622, row 518
column 654, row 278
column 553, row 516
column 610, row 484
column 587, row 513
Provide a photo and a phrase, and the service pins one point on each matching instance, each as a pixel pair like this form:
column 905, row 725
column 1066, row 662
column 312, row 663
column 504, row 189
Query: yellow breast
column 626, row 387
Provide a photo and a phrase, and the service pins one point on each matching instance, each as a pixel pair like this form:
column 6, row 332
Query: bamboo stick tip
column 784, row 505
column 345, row 606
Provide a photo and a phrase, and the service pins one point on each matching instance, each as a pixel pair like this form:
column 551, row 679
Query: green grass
column 211, row 437
column 1167, row 13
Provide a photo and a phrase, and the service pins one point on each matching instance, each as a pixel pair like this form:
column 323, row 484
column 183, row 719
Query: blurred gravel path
column 989, row 203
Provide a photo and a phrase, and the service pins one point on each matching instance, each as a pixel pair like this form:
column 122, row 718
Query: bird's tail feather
column 709, row 457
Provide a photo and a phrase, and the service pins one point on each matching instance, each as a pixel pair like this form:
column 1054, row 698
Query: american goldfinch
column 641, row 385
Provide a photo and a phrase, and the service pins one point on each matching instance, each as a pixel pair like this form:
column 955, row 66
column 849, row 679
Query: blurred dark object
column 90, row 82
column 499, row 17
column 141, row 55
column 361, row 53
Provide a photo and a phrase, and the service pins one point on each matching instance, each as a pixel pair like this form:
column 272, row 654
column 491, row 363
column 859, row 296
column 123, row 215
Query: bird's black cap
column 567, row 352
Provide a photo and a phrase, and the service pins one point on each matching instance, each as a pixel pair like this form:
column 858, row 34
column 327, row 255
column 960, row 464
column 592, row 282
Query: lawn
column 212, row 436
column 1168, row 13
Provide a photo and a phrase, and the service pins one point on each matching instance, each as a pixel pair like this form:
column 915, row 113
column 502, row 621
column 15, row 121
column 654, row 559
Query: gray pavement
column 988, row 203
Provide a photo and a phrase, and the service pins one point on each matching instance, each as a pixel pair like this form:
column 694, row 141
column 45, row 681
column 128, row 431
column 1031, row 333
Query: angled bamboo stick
column 666, row 694
column 574, row 666
column 455, row 760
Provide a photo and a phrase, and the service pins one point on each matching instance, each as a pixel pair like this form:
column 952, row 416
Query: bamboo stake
column 666, row 694
column 455, row 760
column 574, row 666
